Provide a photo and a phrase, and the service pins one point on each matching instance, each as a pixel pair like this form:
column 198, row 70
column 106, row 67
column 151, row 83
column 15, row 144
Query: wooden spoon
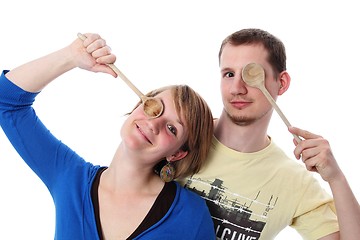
column 253, row 75
column 153, row 107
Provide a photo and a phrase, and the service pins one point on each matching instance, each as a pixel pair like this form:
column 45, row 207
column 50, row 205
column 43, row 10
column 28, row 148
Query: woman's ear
column 284, row 81
column 180, row 154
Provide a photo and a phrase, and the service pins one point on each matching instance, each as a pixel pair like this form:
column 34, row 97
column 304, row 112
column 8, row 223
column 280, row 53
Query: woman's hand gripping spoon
column 153, row 107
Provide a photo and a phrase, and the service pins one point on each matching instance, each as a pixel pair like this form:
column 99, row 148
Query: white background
column 165, row 42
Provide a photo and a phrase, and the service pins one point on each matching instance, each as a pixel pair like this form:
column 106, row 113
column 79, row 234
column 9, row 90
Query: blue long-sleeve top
column 69, row 177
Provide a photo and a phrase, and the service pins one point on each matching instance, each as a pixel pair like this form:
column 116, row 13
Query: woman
column 125, row 200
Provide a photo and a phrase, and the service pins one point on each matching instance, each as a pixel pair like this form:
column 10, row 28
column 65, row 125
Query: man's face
column 244, row 104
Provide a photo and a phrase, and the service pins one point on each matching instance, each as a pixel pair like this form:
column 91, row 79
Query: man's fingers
column 303, row 133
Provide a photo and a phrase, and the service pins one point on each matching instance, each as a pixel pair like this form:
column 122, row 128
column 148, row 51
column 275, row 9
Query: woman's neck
column 127, row 174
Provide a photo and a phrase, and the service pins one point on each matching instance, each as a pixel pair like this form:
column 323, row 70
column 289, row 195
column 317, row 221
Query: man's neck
column 247, row 139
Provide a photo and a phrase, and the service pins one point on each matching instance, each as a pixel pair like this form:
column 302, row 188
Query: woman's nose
column 155, row 124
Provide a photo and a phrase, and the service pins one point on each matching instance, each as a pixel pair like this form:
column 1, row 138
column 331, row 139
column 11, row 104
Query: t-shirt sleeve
column 316, row 215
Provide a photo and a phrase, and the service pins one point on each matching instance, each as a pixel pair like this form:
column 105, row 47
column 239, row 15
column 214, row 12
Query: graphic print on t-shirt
column 235, row 217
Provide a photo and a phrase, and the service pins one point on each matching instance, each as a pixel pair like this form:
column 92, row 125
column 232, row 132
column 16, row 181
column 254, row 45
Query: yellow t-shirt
column 256, row 195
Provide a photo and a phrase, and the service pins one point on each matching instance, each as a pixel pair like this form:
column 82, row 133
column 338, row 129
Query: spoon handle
column 276, row 107
column 119, row 73
column 126, row 80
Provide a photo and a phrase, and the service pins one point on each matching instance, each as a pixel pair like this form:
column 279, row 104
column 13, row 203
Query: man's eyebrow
column 226, row 69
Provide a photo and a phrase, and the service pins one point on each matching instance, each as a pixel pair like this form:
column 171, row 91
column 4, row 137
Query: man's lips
column 143, row 134
column 240, row 103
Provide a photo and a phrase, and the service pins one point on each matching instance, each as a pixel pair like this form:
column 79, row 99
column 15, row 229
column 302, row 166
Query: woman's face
column 155, row 138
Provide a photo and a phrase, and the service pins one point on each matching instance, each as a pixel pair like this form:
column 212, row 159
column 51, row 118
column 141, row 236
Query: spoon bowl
column 253, row 75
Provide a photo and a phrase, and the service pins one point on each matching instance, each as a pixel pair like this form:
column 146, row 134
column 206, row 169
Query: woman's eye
column 172, row 129
column 229, row 74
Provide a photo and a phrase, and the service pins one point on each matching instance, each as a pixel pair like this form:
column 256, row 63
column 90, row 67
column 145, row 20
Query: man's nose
column 238, row 86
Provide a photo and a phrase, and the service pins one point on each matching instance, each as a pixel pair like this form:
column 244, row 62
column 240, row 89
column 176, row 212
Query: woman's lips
column 143, row 134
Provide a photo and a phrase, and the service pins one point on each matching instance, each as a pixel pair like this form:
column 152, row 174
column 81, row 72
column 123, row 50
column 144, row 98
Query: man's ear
column 180, row 154
column 284, row 82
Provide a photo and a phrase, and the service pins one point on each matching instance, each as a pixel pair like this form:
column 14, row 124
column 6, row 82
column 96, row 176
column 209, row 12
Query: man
column 252, row 188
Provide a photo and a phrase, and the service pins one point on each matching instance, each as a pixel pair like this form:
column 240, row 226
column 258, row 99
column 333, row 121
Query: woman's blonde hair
column 199, row 123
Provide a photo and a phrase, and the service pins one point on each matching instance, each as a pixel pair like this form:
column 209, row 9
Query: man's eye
column 229, row 74
column 172, row 129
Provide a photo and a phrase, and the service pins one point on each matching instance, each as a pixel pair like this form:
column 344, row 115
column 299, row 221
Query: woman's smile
column 143, row 134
